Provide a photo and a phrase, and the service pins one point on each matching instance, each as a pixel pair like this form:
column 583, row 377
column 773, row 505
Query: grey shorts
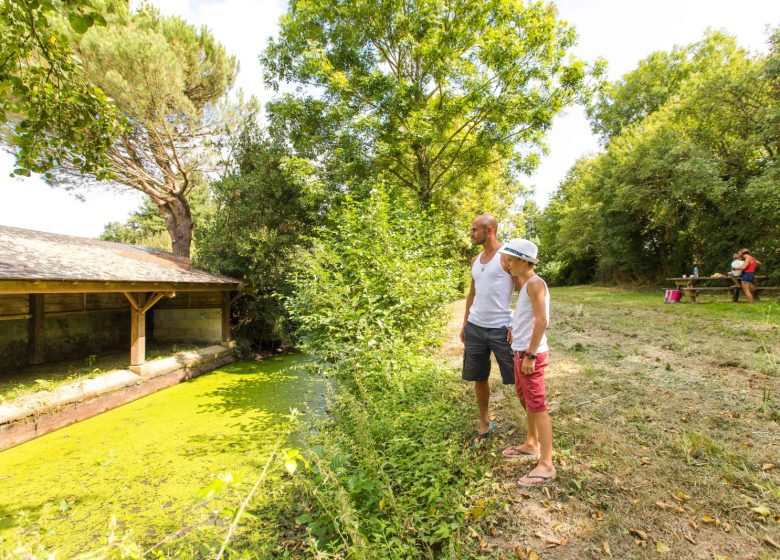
column 479, row 343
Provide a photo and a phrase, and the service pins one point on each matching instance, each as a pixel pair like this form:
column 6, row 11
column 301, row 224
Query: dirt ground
column 666, row 424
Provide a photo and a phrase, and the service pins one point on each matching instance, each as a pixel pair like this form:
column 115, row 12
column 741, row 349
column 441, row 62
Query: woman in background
column 748, row 272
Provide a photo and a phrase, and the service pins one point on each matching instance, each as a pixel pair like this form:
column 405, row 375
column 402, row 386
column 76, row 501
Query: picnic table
column 692, row 285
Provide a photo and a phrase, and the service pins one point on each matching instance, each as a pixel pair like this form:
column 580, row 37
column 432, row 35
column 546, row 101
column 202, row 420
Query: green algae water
column 144, row 462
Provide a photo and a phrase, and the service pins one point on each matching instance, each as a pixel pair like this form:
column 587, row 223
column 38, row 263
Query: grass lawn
column 667, row 430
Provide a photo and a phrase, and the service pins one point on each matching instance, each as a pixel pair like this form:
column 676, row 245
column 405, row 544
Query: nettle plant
column 388, row 479
column 376, row 276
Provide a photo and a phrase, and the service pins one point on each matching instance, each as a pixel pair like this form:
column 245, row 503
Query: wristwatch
column 530, row 356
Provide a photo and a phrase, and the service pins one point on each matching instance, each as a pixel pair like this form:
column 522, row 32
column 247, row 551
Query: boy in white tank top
column 529, row 344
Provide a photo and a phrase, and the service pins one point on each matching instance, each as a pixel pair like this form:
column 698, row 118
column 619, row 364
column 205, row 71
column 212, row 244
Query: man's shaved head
column 483, row 229
column 487, row 220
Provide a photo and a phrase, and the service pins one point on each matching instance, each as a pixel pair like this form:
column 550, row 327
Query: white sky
column 621, row 31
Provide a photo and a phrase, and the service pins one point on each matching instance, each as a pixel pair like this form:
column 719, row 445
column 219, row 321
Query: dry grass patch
column 667, row 424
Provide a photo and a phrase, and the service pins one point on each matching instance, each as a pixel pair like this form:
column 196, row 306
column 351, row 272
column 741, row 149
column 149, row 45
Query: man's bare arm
column 537, row 292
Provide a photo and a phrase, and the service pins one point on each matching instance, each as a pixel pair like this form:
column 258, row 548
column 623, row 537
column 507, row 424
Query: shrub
column 263, row 203
column 391, row 471
column 376, row 277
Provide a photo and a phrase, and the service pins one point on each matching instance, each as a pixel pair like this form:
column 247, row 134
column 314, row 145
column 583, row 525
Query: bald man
column 487, row 321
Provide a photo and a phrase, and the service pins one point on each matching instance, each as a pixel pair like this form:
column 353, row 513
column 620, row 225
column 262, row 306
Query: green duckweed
column 144, row 462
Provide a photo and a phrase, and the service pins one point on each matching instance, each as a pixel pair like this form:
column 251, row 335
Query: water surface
column 145, row 461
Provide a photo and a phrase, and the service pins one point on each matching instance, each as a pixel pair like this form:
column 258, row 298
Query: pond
column 145, row 461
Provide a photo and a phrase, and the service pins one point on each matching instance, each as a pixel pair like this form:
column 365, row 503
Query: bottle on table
column 695, row 271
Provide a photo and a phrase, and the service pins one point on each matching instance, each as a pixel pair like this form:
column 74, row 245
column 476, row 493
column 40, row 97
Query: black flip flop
column 520, row 455
column 485, row 435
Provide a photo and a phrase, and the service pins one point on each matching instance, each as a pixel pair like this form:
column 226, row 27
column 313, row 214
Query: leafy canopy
column 657, row 79
column 428, row 91
column 49, row 111
column 168, row 79
column 686, row 184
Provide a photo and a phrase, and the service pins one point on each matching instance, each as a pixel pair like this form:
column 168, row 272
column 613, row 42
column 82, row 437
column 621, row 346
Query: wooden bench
column 689, row 286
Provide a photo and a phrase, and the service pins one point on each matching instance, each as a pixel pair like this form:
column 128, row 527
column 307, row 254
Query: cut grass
column 665, row 417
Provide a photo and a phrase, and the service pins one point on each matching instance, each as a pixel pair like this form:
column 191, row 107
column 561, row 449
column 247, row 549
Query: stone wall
column 72, row 335
column 82, row 334
column 13, row 344
column 187, row 325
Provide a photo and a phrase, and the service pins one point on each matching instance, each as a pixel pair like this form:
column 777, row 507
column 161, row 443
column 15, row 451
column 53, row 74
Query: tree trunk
column 423, row 174
column 178, row 219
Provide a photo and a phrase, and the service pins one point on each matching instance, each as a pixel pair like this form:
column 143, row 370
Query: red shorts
column 530, row 388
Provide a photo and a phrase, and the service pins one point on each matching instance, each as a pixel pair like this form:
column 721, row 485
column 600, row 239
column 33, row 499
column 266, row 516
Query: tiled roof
column 36, row 255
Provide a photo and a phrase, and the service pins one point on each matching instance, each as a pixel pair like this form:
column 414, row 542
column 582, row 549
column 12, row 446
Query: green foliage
column 657, row 79
column 374, row 277
column 388, row 477
column 681, row 183
column 146, row 227
column 430, row 93
column 264, row 204
column 168, row 79
column 49, row 111
column 391, row 475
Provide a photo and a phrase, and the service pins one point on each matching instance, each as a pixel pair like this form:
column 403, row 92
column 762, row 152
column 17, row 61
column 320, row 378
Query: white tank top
column 523, row 319
column 494, row 288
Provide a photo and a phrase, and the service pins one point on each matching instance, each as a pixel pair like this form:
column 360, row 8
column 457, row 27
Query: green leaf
column 763, row 511
column 80, row 23
column 98, row 19
column 212, row 489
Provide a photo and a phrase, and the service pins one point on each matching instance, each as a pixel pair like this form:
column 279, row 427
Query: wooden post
column 137, row 332
column 139, row 305
column 226, row 301
column 35, row 336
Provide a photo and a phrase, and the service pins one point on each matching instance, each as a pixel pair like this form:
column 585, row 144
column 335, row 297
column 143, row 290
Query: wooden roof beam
column 91, row 286
column 142, row 309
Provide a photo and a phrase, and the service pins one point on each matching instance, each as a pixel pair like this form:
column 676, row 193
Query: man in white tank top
column 529, row 344
column 486, row 324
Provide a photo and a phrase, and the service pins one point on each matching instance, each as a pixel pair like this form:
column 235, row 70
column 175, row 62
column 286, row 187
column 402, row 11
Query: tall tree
column 266, row 203
column 431, row 92
column 48, row 110
column 167, row 78
column 655, row 80
column 684, row 185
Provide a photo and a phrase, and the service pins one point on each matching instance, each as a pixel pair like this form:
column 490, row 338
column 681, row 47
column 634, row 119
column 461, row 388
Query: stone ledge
column 182, row 359
column 34, row 415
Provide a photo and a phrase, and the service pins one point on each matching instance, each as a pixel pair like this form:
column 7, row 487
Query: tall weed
column 392, row 471
column 378, row 274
